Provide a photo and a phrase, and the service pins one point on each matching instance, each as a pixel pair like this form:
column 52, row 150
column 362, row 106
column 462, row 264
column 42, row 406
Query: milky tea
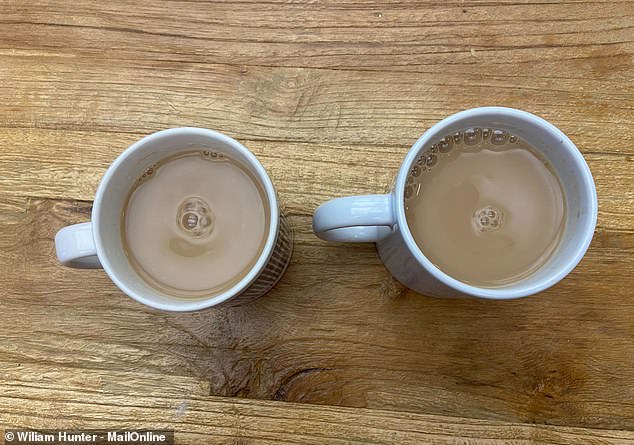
column 195, row 223
column 484, row 207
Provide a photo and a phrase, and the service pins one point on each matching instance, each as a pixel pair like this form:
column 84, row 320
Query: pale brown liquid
column 195, row 224
column 484, row 207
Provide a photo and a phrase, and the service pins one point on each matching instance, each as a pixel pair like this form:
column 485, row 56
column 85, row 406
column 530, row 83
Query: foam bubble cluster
column 488, row 219
column 213, row 155
column 468, row 139
column 194, row 217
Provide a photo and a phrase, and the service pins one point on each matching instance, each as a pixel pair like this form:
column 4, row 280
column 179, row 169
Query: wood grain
column 42, row 393
column 347, row 335
column 329, row 95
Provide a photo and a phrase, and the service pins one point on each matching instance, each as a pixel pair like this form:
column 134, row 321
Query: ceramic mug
column 381, row 218
column 99, row 243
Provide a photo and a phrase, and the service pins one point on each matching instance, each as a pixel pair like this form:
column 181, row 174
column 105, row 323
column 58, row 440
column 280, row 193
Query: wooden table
column 329, row 95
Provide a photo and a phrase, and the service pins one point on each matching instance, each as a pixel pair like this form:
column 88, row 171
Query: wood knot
column 283, row 391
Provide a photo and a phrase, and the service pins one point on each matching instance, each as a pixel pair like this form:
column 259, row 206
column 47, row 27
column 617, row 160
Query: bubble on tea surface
column 487, row 219
column 431, row 160
column 457, row 137
column 416, row 171
column 422, row 159
column 190, row 221
column 147, row 173
column 445, row 145
column 472, row 136
column 513, row 139
column 194, row 218
column 409, row 191
column 486, row 132
column 212, row 155
column 434, row 148
column 499, row 137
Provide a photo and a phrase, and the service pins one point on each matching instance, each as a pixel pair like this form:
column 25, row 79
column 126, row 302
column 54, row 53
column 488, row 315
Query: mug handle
column 75, row 247
column 357, row 219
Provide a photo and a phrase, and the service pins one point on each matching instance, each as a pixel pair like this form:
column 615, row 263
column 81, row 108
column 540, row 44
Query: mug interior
column 113, row 192
column 564, row 158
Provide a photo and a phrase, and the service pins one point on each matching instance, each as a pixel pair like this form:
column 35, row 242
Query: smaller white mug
column 381, row 218
column 99, row 243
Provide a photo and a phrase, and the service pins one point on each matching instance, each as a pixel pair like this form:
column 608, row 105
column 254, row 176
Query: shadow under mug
column 99, row 243
column 381, row 218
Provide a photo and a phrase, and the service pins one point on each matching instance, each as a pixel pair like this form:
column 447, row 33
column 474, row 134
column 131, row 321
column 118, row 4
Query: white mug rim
column 515, row 290
column 200, row 303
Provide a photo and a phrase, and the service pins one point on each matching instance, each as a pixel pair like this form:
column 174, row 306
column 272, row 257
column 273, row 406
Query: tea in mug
column 195, row 223
column 484, row 207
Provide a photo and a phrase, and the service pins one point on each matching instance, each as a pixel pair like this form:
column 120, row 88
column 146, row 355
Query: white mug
column 381, row 218
column 99, row 243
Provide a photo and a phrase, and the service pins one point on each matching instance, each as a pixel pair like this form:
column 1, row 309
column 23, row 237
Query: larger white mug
column 99, row 243
column 381, row 218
